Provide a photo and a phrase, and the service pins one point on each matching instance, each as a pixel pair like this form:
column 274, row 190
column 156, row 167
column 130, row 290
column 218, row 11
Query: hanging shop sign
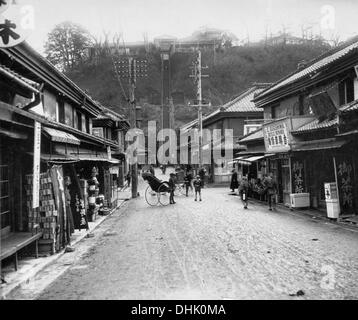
column 17, row 21
column 276, row 136
column 330, row 191
column 36, row 166
column 114, row 170
column 345, row 179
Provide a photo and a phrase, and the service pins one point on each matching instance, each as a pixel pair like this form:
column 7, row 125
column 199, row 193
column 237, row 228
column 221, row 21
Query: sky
column 180, row 18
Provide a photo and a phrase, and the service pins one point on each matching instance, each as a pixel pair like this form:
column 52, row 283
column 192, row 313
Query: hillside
column 231, row 71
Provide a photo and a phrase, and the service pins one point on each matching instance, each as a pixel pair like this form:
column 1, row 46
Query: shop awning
column 102, row 157
column 55, row 157
column 83, row 154
column 242, row 160
column 253, row 159
column 318, row 145
column 13, row 135
column 61, row 136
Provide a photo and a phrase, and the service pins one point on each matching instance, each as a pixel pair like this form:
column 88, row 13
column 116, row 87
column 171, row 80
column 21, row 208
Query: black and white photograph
column 179, row 150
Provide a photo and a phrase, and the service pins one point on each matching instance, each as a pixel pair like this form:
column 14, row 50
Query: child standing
column 187, row 181
column 197, row 186
column 244, row 189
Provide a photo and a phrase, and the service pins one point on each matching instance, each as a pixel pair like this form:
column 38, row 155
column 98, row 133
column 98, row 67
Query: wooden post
column 336, row 178
column 133, row 122
column 290, row 179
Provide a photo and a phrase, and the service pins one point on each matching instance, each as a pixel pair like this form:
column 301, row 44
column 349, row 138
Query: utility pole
column 131, row 69
column 133, row 122
column 197, row 75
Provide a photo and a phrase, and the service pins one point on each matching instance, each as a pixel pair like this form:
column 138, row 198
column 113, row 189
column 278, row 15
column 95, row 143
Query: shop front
column 280, row 168
column 328, row 161
column 287, row 170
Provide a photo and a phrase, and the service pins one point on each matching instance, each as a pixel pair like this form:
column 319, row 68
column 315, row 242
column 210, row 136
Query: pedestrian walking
column 197, row 186
column 244, row 190
column 202, row 172
column 128, row 179
column 172, row 188
column 271, row 190
column 188, row 182
column 234, row 182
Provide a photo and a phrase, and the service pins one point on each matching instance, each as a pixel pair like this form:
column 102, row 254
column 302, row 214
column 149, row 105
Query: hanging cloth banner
column 77, row 202
column 59, row 193
column 36, row 166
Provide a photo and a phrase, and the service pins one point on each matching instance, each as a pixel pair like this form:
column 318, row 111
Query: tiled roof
column 243, row 103
column 327, row 124
column 20, row 79
column 349, row 107
column 256, row 135
column 315, row 66
column 316, row 125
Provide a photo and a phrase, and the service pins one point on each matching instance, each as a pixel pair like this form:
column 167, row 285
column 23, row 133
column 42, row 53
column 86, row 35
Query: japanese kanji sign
column 276, row 136
column 36, row 166
column 16, row 22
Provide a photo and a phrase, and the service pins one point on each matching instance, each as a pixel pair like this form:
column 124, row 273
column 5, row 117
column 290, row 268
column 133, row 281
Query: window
column 83, row 120
column 79, row 120
column 274, row 112
column 5, row 197
column 346, row 91
column 50, row 106
column 87, row 125
column 68, row 115
column 90, row 126
column 61, row 111
column 301, row 107
column 98, row 132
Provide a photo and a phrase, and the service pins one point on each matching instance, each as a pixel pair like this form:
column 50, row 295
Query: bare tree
column 67, row 45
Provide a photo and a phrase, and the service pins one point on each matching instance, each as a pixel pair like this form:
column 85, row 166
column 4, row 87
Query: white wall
column 355, row 88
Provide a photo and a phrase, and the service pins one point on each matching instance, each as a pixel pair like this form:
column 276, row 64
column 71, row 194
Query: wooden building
column 241, row 116
column 309, row 133
column 45, row 122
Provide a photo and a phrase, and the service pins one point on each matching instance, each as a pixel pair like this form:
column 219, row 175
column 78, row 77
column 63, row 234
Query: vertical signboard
column 36, row 167
column 298, row 176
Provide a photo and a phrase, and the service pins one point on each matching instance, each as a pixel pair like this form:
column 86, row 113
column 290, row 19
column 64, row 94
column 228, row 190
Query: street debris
column 69, row 249
column 297, row 294
column 110, row 234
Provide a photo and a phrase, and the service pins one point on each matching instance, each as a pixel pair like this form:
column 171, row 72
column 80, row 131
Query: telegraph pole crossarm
column 132, row 68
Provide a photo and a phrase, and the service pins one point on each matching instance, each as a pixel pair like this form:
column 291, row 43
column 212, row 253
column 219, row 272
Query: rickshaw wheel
column 151, row 197
column 164, row 194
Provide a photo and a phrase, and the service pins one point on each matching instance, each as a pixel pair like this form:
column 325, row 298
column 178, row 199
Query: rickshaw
column 157, row 192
